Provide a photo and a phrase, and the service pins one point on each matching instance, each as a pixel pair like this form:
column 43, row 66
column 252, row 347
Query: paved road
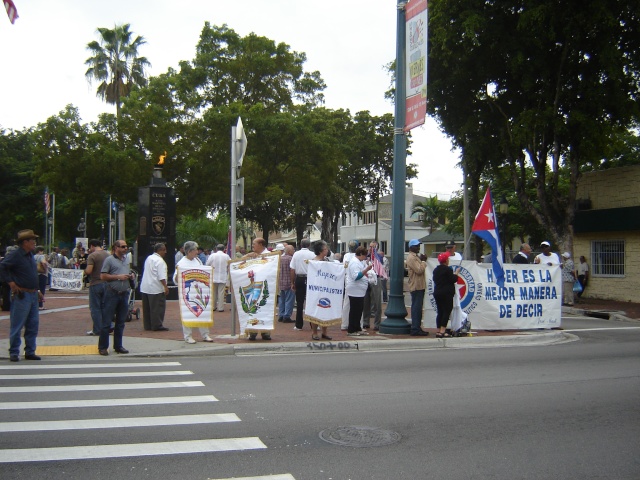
column 568, row 411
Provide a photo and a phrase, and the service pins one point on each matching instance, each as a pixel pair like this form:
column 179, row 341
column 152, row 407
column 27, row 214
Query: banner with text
column 194, row 295
column 531, row 296
column 65, row 279
column 416, row 63
column 325, row 289
column 254, row 284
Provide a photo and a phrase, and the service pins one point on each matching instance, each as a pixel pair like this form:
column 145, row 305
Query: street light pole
column 396, row 313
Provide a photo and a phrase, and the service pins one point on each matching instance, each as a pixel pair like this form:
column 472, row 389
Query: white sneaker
column 207, row 338
column 296, row 328
column 354, row 334
column 189, row 340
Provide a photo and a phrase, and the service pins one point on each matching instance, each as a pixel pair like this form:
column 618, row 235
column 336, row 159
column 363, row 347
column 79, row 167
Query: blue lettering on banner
column 529, row 310
column 545, row 275
column 320, row 288
column 499, row 293
column 538, row 293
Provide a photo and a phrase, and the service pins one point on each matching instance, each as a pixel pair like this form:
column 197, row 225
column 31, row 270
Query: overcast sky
column 43, row 53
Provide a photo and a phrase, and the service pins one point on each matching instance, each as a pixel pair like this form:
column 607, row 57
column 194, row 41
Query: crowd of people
column 25, row 272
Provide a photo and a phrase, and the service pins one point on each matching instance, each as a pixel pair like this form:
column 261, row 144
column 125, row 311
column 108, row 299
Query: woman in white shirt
column 356, row 289
column 191, row 260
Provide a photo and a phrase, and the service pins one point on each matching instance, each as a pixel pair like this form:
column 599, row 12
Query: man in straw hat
column 19, row 271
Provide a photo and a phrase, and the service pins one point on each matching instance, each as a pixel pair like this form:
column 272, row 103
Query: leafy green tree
column 205, row 231
column 431, row 211
column 115, row 63
column 22, row 203
column 554, row 82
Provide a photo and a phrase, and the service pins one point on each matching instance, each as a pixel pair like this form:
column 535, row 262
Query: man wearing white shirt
column 450, row 247
column 299, row 270
column 220, row 263
column 547, row 257
column 154, row 289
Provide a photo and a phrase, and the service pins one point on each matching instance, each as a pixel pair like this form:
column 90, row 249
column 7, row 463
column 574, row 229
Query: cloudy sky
column 43, row 53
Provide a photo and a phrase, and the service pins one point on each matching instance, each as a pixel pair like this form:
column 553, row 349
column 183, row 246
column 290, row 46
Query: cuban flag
column 486, row 227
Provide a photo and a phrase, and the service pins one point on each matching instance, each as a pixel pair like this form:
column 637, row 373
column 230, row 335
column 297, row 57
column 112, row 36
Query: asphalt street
column 564, row 411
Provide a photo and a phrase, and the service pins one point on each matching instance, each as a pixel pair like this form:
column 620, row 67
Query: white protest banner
column 65, row 279
column 194, row 295
column 254, row 284
column 531, row 296
column 325, row 289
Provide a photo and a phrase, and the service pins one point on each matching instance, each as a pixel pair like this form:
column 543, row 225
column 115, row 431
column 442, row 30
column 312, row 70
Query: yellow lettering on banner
column 417, row 68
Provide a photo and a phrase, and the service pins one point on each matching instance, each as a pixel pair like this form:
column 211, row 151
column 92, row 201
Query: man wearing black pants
column 299, row 269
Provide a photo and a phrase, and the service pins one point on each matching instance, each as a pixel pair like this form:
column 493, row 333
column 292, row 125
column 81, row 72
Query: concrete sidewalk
column 66, row 319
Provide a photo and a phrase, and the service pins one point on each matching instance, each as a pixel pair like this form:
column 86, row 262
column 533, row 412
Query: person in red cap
column 444, row 289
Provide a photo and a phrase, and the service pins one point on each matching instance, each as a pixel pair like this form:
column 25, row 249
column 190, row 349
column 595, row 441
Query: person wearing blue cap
column 417, row 269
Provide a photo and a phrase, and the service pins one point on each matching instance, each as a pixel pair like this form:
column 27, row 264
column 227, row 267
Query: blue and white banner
column 531, row 296
column 66, row 279
column 254, row 284
column 325, row 290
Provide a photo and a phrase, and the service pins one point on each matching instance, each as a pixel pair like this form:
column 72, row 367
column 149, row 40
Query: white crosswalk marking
column 129, row 450
column 117, row 422
column 94, row 375
column 92, row 366
column 108, row 402
column 111, row 386
column 177, row 419
column 285, row 476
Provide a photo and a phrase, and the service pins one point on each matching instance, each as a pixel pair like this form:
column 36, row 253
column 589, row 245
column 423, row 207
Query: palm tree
column 115, row 64
column 430, row 211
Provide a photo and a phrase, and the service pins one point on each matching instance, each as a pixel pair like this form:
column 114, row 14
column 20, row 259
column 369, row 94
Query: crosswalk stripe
column 95, row 375
column 118, row 422
column 129, row 450
column 96, row 387
column 578, row 330
column 106, row 402
column 32, row 366
column 285, row 476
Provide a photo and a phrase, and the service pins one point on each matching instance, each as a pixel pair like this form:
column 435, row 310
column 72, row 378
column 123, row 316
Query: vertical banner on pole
column 416, row 63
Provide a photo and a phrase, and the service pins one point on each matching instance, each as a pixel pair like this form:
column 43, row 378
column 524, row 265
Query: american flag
column 376, row 259
column 11, row 10
column 47, row 200
column 229, row 246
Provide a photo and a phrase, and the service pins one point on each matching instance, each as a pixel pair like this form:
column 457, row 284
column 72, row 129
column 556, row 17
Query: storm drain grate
column 359, row 436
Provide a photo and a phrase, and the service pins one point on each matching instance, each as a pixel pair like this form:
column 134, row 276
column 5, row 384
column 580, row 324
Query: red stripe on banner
column 12, row 13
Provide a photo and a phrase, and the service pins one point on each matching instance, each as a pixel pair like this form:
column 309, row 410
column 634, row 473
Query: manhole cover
column 359, row 436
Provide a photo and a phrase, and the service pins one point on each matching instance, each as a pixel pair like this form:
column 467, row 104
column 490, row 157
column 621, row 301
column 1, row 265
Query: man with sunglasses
column 115, row 272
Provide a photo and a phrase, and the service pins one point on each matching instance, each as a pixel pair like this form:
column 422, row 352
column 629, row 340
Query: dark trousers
column 153, row 308
column 42, row 286
column 583, row 282
column 356, row 304
column 301, row 295
column 444, row 304
column 115, row 303
column 417, row 299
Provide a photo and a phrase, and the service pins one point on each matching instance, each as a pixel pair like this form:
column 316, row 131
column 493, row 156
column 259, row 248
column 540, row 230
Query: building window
column 607, row 258
column 383, row 247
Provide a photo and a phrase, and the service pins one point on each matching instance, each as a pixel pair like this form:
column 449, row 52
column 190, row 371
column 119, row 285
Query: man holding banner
column 254, row 283
column 325, row 282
